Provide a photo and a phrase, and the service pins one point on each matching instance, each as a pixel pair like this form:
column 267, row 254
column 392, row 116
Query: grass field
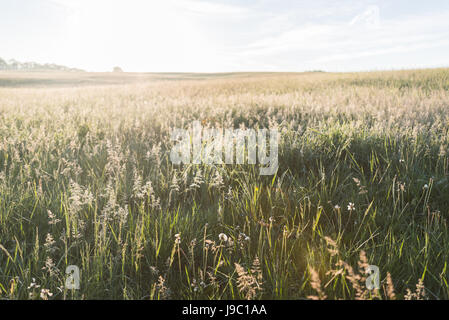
column 86, row 180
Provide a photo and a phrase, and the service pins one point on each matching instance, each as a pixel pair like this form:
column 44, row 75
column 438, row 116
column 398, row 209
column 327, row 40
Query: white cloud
column 318, row 43
column 209, row 8
column 217, row 35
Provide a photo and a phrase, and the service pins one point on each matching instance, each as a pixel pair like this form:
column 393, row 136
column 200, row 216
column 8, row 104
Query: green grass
column 97, row 157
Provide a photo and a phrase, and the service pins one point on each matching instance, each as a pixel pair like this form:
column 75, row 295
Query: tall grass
column 86, row 180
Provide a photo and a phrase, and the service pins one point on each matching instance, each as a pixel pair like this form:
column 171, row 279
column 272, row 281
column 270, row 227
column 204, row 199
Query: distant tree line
column 33, row 66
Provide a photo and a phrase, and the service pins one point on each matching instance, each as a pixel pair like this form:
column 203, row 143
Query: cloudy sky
column 227, row 35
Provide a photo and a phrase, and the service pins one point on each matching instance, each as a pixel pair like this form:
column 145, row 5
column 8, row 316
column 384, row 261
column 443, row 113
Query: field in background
column 17, row 79
column 86, row 180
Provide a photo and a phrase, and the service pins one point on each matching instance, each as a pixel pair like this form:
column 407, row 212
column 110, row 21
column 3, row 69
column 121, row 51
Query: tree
column 118, row 69
column 3, row 64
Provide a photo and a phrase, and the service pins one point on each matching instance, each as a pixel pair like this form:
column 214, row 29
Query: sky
column 227, row 35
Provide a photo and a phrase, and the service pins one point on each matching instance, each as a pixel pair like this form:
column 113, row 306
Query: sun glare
column 147, row 35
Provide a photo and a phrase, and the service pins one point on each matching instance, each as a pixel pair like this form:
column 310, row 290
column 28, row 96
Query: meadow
column 86, row 180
